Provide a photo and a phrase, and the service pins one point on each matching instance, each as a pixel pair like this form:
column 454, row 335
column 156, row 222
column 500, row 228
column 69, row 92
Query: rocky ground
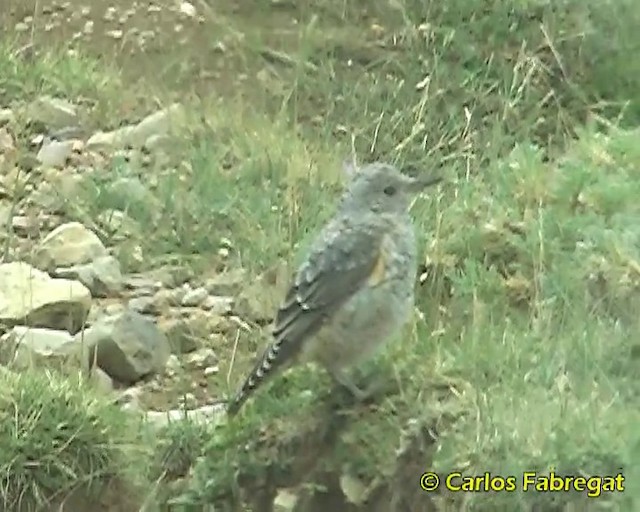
column 44, row 168
column 69, row 288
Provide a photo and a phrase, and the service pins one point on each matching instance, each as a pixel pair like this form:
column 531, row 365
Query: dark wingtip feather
column 236, row 403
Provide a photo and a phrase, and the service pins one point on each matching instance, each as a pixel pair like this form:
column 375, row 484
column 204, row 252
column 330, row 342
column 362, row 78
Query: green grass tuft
column 59, row 439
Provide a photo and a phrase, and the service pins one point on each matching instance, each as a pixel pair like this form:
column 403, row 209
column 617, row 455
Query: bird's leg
column 375, row 384
column 343, row 380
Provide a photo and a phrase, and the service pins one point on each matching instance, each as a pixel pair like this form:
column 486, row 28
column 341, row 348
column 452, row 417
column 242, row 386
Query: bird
column 354, row 290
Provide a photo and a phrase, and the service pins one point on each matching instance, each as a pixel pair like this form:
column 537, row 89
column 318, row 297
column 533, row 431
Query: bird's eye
column 389, row 190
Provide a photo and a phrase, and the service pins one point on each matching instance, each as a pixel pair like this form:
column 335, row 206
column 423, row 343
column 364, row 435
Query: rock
column 23, row 347
column 54, row 153
column 25, row 226
column 105, row 141
column 100, row 380
column 52, row 112
column 69, row 244
column 188, row 400
column 104, row 308
column 353, row 489
column 144, row 304
column 159, row 123
column 285, row 501
column 30, row 296
column 37, row 140
column 194, row 297
column 127, row 346
column 115, row 34
column 211, row 370
column 218, row 305
column 157, row 142
column 6, row 116
column 136, row 136
column 173, row 365
column 210, row 414
column 187, row 9
column 102, row 276
column 202, row 358
column 227, row 283
column 69, row 133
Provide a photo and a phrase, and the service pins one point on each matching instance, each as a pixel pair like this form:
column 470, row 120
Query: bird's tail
column 265, row 368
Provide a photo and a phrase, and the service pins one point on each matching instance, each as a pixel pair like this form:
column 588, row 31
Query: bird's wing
column 340, row 262
column 336, row 268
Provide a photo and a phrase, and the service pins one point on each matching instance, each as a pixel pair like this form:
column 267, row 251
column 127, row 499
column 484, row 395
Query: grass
column 525, row 356
column 59, row 440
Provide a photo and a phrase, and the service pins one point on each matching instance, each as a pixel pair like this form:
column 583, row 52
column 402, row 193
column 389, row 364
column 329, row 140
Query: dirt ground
column 188, row 47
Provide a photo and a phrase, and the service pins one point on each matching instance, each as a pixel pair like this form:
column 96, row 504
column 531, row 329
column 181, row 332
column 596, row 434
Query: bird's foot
column 361, row 394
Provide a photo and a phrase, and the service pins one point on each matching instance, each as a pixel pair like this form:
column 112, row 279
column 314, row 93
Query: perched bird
column 355, row 288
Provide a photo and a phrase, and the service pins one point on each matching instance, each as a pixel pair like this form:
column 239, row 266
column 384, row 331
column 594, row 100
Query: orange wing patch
column 379, row 271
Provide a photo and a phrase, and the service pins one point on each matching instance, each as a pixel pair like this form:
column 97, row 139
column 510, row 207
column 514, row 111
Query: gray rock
column 105, row 141
column 24, row 225
column 144, row 304
column 54, row 153
column 210, row 414
column 54, row 113
column 136, row 136
column 30, row 296
column 127, row 346
column 157, row 142
column 218, row 305
column 102, row 276
column 23, row 347
column 194, row 297
column 173, row 366
column 100, row 380
column 69, row 244
column 285, row 501
column 6, row 116
column 202, row 358
column 158, row 123
column 68, row 133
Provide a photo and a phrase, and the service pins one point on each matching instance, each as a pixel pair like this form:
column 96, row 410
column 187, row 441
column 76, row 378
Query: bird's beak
column 419, row 184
